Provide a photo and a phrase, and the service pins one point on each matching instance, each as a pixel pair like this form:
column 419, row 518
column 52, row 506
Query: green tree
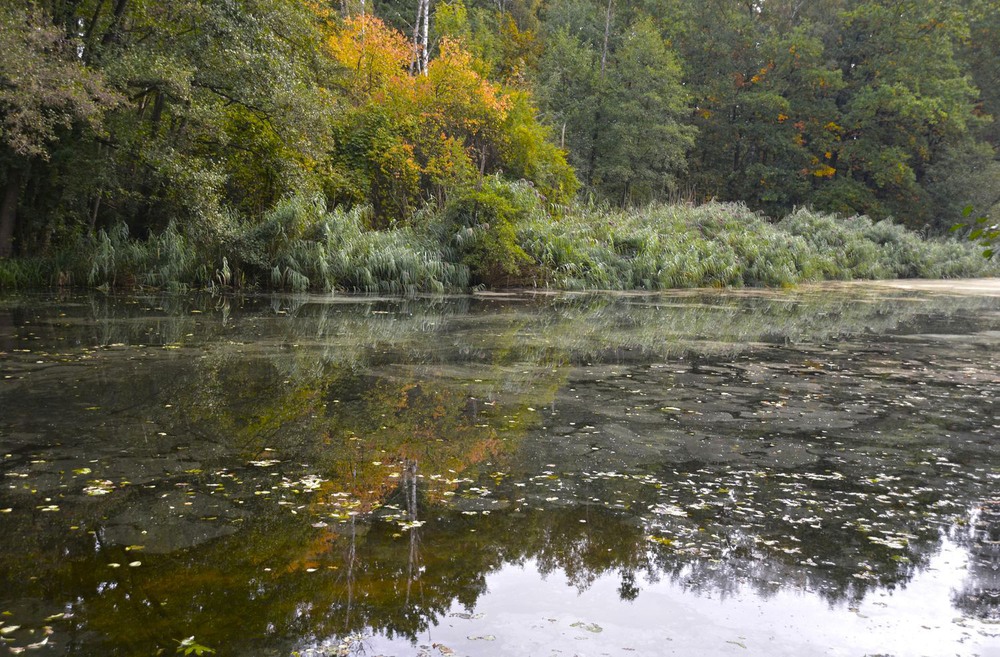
column 979, row 50
column 45, row 92
column 763, row 101
column 220, row 107
column 611, row 88
column 906, row 101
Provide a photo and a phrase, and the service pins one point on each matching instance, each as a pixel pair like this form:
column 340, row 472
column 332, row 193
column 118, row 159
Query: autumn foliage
column 409, row 138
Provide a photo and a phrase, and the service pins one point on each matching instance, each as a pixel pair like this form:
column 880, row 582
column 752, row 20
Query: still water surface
column 807, row 472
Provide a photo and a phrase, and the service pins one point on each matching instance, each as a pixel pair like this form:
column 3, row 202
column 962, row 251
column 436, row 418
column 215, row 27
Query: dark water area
column 804, row 472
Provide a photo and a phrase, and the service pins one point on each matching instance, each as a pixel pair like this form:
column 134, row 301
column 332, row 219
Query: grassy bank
column 501, row 236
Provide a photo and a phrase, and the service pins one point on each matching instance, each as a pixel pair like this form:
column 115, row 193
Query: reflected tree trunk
column 410, row 494
column 352, row 557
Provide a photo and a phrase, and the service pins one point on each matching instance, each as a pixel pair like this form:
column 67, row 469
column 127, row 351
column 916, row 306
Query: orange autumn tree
column 404, row 139
column 458, row 106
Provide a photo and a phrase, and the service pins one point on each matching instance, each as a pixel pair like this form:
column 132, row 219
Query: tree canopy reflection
column 289, row 471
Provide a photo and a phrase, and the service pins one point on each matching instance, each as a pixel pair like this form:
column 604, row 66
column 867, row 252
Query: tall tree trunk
column 112, row 33
column 427, row 36
column 8, row 212
column 421, row 32
column 415, row 62
column 595, row 134
column 88, row 35
column 607, row 35
column 596, row 128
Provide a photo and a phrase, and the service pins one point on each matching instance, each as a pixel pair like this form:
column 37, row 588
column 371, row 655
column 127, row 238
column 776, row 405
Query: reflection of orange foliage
column 397, row 423
column 404, row 397
column 365, row 446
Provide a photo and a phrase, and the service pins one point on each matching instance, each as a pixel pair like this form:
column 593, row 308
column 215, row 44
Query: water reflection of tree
column 412, row 525
column 368, row 574
column 353, row 332
column 979, row 596
column 340, row 389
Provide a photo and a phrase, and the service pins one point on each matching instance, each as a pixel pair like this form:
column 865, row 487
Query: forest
column 428, row 145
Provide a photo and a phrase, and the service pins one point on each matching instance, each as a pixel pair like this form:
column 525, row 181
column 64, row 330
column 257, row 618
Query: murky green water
column 811, row 472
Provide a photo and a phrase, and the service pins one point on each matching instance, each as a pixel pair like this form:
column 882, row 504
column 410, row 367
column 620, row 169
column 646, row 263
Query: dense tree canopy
column 204, row 114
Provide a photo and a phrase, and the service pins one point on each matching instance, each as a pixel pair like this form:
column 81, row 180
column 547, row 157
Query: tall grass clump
column 164, row 260
column 397, row 261
column 300, row 246
column 859, row 248
column 665, row 246
column 493, row 235
column 726, row 244
column 25, row 273
column 761, row 253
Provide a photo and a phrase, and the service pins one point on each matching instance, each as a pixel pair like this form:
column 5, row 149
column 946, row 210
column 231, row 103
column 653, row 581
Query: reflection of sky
column 979, row 595
column 524, row 614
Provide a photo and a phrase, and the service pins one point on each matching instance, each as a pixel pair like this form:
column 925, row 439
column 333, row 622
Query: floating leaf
column 190, row 647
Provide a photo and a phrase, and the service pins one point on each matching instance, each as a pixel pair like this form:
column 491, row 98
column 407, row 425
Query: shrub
column 481, row 225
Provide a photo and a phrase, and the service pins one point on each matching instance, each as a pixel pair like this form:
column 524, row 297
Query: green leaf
column 190, row 647
column 966, row 211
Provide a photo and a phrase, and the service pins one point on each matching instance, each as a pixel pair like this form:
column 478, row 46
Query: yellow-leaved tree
column 405, row 139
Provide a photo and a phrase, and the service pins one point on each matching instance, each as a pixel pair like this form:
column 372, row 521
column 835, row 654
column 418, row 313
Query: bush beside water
column 499, row 235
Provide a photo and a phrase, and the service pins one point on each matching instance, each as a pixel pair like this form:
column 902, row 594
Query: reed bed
column 301, row 245
column 728, row 245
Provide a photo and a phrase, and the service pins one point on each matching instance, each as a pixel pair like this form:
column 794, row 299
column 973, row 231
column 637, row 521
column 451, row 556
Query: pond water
column 804, row 472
